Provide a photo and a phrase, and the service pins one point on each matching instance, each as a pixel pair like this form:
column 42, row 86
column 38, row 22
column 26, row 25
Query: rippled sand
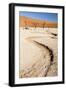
column 38, row 52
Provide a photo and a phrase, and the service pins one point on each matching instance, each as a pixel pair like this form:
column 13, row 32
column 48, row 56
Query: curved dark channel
column 51, row 55
column 50, row 51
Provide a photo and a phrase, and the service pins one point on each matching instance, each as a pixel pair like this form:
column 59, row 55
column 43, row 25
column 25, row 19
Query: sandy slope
column 38, row 52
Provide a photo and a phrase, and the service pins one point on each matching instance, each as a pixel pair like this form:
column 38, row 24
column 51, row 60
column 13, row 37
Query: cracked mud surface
column 38, row 54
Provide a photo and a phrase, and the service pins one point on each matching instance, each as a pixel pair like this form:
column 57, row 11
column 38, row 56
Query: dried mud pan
column 38, row 52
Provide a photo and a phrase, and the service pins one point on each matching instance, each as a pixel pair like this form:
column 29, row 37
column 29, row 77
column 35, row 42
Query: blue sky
column 53, row 17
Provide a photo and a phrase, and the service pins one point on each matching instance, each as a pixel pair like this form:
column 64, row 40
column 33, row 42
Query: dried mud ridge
column 50, row 51
column 41, row 67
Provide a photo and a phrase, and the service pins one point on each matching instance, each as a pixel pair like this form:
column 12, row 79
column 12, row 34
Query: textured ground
column 38, row 52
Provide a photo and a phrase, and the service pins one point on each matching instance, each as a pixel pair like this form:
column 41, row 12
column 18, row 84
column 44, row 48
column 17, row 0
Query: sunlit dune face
column 28, row 22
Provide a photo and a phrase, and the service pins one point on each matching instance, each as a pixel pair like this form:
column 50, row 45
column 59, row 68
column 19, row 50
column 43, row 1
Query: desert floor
column 38, row 52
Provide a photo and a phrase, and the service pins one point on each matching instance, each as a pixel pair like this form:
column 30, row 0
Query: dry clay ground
column 38, row 52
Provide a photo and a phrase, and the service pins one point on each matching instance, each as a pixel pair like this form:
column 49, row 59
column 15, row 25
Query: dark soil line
column 51, row 54
column 50, row 51
column 54, row 34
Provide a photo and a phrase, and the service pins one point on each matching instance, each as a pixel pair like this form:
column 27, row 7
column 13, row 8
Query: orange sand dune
column 29, row 22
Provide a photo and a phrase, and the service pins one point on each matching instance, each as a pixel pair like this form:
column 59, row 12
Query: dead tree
column 25, row 25
column 44, row 25
column 35, row 25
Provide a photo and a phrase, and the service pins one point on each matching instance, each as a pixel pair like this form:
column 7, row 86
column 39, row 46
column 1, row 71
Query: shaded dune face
column 38, row 53
column 29, row 22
